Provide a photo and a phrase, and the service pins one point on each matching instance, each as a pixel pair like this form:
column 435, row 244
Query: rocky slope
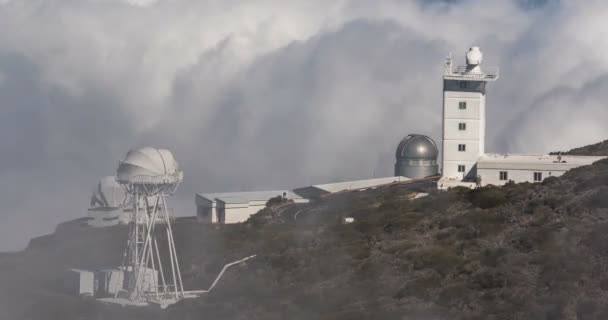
column 525, row 251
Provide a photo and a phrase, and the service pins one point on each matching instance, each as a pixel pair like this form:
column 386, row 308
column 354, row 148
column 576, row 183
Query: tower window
column 462, row 105
column 503, row 175
column 462, row 147
column 462, row 126
column 461, row 168
column 538, row 176
column 462, row 84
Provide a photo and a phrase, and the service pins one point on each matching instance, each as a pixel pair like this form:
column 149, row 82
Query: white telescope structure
column 150, row 175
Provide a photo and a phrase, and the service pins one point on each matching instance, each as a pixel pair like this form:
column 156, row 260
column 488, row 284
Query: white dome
column 474, row 56
column 150, row 165
column 109, row 194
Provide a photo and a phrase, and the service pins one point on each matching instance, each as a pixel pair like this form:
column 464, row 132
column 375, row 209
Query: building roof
column 157, row 165
column 358, row 184
column 80, row 270
column 533, row 161
column 417, row 147
column 245, row 197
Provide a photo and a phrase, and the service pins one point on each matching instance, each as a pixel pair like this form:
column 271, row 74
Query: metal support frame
column 142, row 261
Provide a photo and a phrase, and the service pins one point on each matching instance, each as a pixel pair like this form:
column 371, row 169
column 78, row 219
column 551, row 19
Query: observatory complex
column 146, row 177
column 464, row 162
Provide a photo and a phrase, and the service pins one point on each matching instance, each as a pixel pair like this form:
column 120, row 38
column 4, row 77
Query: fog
column 271, row 94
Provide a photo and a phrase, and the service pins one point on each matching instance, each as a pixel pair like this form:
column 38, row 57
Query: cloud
column 270, row 94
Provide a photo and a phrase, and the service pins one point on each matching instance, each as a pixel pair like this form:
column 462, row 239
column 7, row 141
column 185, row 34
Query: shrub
column 600, row 198
column 419, row 287
column 585, row 309
column 477, row 223
column 487, row 197
column 274, row 201
column 439, row 259
column 492, row 257
column 490, row 279
column 454, row 295
column 551, row 180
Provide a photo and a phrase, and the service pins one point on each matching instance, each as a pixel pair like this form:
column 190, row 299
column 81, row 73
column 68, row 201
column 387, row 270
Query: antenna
column 448, row 63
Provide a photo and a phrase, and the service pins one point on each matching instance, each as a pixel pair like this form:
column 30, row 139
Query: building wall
column 472, row 137
column 79, row 282
column 148, row 279
column 106, row 217
column 109, row 282
column 236, row 213
column 205, row 214
column 416, row 169
column 492, row 176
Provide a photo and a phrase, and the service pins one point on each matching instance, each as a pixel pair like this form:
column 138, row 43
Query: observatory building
column 109, row 204
column 234, row 207
column 416, row 157
column 465, row 162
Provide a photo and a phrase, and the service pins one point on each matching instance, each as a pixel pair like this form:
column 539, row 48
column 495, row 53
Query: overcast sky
column 271, row 93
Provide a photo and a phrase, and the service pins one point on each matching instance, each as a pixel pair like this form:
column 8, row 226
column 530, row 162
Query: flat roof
column 243, row 197
column 533, row 161
column 358, row 184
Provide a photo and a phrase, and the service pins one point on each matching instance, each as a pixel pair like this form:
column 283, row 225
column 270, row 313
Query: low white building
column 235, row 207
column 109, row 281
column 498, row 169
column 319, row 190
column 79, row 282
column 359, row 184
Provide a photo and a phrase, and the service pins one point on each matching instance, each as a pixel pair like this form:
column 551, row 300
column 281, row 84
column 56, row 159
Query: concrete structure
column 109, row 282
column 465, row 162
column 235, row 207
column 498, row 169
column 320, row 190
column 416, row 157
column 109, row 203
column 105, row 282
column 80, row 282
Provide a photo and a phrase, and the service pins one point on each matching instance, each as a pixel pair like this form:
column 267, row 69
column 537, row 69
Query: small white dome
column 474, row 56
column 152, row 164
column 109, row 194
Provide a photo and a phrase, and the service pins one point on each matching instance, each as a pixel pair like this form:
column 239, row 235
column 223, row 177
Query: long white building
column 235, row 207
column 465, row 162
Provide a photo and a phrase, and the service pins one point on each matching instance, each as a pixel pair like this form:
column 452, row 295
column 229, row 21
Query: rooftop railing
column 462, row 73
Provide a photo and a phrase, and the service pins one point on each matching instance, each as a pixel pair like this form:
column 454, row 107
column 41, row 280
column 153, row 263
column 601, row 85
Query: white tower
column 149, row 175
column 464, row 116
